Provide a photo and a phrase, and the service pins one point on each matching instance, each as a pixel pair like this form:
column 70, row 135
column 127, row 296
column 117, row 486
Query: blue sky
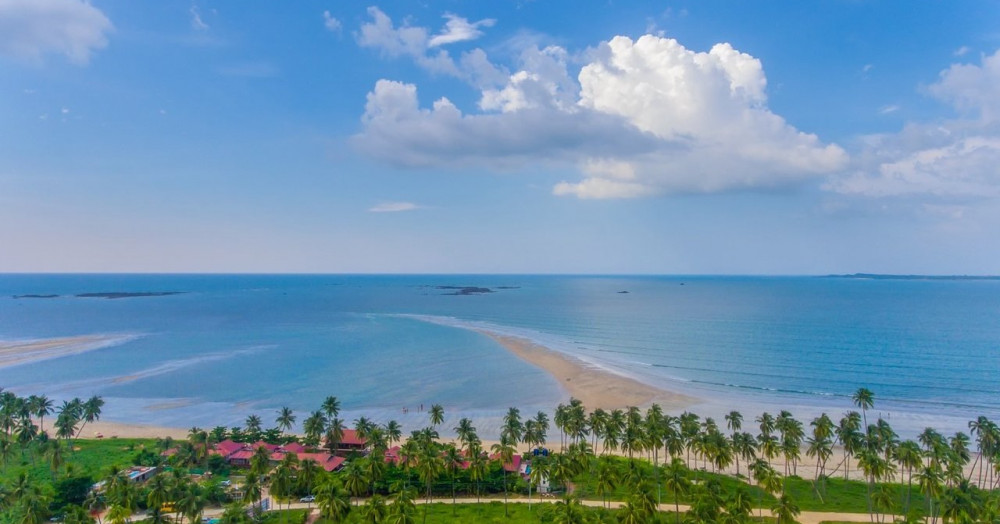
column 530, row 136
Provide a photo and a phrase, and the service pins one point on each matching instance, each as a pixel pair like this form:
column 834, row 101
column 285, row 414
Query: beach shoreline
column 595, row 387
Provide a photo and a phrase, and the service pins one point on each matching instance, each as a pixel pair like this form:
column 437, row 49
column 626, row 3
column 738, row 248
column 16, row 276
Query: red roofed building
column 240, row 458
column 325, row 460
column 510, row 467
column 228, row 447
column 270, row 447
column 351, row 442
column 294, row 447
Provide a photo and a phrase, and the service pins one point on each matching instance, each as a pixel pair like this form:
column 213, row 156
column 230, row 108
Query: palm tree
column 504, row 451
column 90, row 411
column 332, row 500
column 281, row 483
column 477, row 468
column 568, row 510
column 606, row 478
column 374, row 511
column 402, row 508
column 437, row 415
column 785, row 510
column 354, row 479
column 931, row 480
column 864, row 399
column 313, row 426
column 453, row 461
column 334, row 434
column 512, row 429
column 331, row 407
column 286, row 419
column 393, row 431
column 251, row 488
column 41, row 406
column 677, row 483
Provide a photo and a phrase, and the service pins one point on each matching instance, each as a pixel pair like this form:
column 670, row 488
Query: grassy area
column 834, row 494
column 89, row 457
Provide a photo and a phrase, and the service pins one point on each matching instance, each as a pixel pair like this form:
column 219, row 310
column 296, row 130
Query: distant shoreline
column 876, row 276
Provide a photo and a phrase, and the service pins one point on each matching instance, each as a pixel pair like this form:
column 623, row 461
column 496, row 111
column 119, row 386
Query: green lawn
column 90, row 457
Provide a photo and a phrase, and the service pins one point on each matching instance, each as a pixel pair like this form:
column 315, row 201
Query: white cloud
column 962, row 51
column 30, row 29
column 889, row 109
column 393, row 207
column 398, row 131
column 949, row 159
column 458, row 29
column 331, row 23
column 406, row 40
column 641, row 118
column 196, row 22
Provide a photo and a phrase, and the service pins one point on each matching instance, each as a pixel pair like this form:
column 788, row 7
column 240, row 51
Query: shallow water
column 232, row 345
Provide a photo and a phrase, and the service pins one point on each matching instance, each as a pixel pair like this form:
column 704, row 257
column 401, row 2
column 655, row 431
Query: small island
column 128, row 294
column 465, row 290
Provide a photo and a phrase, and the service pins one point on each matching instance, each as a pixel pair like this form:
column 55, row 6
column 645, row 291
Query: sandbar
column 17, row 352
column 595, row 387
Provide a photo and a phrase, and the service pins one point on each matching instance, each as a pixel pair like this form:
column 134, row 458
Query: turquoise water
column 232, row 345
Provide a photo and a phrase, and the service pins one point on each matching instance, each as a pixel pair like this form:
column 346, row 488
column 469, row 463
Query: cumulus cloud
column 31, row 29
column 331, row 23
column 393, row 207
column 640, row 118
column 406, row 40
column 399, row 131
column 950, row 159
column 458, row 29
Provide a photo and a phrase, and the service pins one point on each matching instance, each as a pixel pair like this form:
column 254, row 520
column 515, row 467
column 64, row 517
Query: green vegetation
column 625, row 462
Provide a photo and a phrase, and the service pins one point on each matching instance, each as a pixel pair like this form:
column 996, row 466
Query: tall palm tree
column 393, row 431
column 332, row 500
column 864, row 399
column 504, row 451
column 313, row 426
column 785, row 510
column 605, row 478
column 437, row 415
column 354, row 479
column 677, row 482
column 90, row 411
column 331, row 407
column 253, row 426
column 334, row 434
column 286, row 419
column 374, row 511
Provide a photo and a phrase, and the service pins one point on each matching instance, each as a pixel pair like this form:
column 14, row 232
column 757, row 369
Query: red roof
column 293, row 447
column 243, row 454
column 169, row 452
column 228, row 447
column 392, row 455
column 513, row 468
column 350, row 438
column 325, row 460
column 262, row 444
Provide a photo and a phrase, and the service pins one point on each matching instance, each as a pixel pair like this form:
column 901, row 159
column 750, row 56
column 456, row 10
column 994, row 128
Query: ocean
column 226, row 346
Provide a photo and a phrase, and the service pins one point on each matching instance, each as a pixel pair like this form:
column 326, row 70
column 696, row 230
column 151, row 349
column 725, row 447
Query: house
column 351, row 442
column 240, row 455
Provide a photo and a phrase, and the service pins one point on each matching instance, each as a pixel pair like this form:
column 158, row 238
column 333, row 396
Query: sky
column 690, row 137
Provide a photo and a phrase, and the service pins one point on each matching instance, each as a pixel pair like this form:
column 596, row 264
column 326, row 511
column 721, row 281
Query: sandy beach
column 110, row 429
column 595, row 387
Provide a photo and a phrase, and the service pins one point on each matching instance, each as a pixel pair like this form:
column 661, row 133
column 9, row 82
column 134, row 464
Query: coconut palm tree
column 393, row 431
column 334, row 434
column 90, row 411
column 354, row 479
column 931, row 482
column 605, row 477
column 504, row 451
column 465, row 432
column 331, row 407
column 437, row 415
column 512, row 428
column 785, row 510
column 453, row 461
column 677, row 482
column 402, row 508
column 332, row 500
column 313, row 426
column 374, row 511
column 286, row 419
column 864, row 399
